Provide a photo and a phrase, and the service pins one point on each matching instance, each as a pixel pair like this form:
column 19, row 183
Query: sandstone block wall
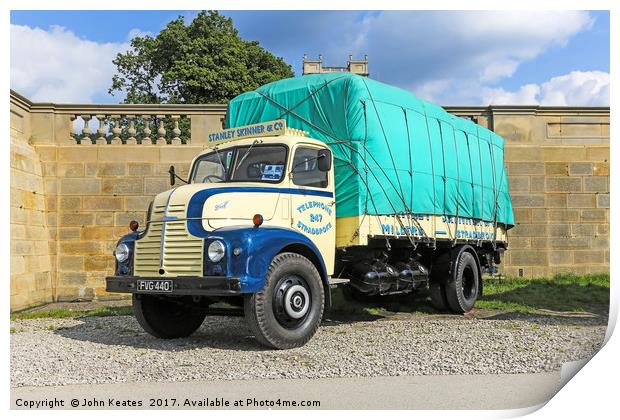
column 71, row 202
column 558, row 171
column 32, row 268
column 561, row 210
column 94, row 192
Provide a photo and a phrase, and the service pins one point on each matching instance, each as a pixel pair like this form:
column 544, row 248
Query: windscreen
column 254, row 163
column 213, row 167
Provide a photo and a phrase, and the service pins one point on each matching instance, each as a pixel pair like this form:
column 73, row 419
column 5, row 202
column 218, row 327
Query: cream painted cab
column 301, row 198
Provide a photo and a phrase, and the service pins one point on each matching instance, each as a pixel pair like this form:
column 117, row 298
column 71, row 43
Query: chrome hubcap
column 292, row 301
column 296, row 301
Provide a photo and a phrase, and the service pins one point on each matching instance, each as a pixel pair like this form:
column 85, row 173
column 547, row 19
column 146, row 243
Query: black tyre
column 289, row 309
column 438, row 295
column 440, row 273
column 167, row 317
column 462, row 289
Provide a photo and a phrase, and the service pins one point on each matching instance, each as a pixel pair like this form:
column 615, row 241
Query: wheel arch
column 259, row 246
column 307, row 252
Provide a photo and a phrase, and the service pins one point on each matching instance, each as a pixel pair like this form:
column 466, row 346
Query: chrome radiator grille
column 168, row 246
column 148, row 252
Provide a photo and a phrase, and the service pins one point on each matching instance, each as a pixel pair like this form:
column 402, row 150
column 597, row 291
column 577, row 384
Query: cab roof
column 270, row 132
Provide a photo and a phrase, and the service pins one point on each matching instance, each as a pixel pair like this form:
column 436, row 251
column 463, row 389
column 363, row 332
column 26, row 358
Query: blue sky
column 554, row 58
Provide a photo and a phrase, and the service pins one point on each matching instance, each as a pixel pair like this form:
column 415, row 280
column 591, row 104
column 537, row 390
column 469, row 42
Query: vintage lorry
column 318, row 181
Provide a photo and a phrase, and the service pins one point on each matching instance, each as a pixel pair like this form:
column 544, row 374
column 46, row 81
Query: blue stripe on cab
column 198, row 200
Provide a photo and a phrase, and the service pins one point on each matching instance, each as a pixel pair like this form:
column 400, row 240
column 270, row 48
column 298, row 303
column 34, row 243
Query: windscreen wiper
column 219, row 157
column 245, row 156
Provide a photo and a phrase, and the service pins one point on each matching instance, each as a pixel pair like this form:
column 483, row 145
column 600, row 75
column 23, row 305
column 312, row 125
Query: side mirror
column 172, row 175
column 324, row 160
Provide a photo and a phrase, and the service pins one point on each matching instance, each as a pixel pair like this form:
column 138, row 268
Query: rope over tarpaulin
column 456, row 166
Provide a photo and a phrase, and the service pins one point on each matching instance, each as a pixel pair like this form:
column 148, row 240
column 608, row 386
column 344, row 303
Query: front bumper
column 181, row 286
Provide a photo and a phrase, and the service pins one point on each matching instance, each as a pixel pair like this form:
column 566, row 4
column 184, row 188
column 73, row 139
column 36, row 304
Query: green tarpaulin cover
column 393, row 152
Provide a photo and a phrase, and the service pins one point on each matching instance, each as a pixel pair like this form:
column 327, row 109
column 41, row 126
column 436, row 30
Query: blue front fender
column 258, row 247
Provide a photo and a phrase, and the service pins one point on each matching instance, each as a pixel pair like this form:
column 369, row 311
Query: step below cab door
column 313, row 209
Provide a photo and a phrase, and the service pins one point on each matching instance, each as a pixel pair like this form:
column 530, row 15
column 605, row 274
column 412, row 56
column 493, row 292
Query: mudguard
column 257, row 246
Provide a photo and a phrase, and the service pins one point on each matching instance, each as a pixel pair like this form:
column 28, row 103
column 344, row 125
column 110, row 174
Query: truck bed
column 357, row 230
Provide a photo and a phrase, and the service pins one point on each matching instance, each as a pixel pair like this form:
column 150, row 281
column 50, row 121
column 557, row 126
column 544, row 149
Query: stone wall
column 558, row 167
column 32, row 243
column 70, row 202
column 99, row 190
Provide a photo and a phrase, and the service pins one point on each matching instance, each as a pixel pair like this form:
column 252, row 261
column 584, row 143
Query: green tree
column 204, row 61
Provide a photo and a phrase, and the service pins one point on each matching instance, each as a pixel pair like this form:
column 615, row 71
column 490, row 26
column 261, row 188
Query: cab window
column 213, row 167
column 305, row 168
column 259, row 164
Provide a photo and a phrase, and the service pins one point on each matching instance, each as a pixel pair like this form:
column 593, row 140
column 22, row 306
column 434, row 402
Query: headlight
column 216, row 251
column 121, row 253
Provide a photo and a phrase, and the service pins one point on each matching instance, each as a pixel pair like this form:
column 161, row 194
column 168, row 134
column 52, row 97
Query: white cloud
column 138, row 32
column 58, row 66
column 413, row 48
column 456, row 57
column 419, row 47
column 525, row 95
column 432, row 89
column 445, row 57
column 576, row 88
column 498, row 70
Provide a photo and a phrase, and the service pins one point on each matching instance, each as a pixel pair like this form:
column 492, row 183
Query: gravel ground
column 115, row 349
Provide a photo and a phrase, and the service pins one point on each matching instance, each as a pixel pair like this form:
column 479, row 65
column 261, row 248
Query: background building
column 353, row 66
column 76, row 186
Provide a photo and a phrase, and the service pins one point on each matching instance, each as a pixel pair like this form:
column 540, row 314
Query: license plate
column 156, row 286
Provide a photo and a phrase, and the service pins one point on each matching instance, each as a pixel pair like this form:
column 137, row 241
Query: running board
column 334, row 282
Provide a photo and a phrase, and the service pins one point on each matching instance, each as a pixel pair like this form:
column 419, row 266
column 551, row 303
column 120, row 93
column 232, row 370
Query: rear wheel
column 462, row 289
column 288, row 311
column 440, row 274
column 438, row 295
column 166, row 316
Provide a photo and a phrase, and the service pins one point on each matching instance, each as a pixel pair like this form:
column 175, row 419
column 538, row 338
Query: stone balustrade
column 99, row 124
column 131, row 129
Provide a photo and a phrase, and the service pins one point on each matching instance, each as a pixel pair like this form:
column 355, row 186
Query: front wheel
column 288, row 311
column 166, row 316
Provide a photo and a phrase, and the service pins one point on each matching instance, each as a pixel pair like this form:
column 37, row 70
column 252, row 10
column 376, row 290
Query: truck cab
column 254, row 226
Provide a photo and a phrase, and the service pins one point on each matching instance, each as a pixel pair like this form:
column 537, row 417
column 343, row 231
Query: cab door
column 313, row 208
